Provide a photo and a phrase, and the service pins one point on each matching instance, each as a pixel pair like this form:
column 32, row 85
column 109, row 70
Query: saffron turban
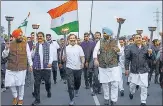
column 16, row 33
column 107, row 31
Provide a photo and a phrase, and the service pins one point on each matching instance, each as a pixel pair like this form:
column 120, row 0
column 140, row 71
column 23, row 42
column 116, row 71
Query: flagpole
column 78, row 20
column 91, row 19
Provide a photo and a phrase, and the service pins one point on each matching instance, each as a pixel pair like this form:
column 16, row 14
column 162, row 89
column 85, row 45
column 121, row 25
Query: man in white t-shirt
column 54, row 49
column 74, row 65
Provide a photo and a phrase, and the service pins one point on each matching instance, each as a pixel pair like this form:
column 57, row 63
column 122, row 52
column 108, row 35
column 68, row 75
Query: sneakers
column 36, row 102
column 14, row 101
column 71, row 103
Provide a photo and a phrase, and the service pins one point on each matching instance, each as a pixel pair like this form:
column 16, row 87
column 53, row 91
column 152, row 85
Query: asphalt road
column 60, row 95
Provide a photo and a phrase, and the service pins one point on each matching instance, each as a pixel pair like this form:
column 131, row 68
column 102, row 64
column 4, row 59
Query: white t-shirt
column 53, row 47
column 73, row 54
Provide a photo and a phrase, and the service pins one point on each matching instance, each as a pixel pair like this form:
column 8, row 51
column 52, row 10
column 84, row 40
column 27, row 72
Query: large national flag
column 65, row 16
column 25, row 22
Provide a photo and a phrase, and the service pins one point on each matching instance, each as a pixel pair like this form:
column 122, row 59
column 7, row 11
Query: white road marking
column 95, row 99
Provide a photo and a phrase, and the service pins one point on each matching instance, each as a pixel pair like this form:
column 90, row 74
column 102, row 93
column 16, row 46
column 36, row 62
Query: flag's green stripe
column 73, row 27
column 23, row 24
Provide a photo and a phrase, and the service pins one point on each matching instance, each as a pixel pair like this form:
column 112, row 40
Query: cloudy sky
column 138, row 15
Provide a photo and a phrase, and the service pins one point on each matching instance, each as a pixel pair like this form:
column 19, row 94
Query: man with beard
column 107, row 61
column 54, row 48
column 42, row 62
column 97, row 36
column 88, row 46
column 74, row 64
column 138, row 55
column 18, row 53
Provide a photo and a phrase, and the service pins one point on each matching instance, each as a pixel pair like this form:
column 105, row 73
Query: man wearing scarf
column 88, row 46
column 136, row 56
column 18, row 53
column 54, row 50
column 107, row 61
column 42, row 63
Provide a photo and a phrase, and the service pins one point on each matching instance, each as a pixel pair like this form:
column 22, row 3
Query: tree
column 2, row 29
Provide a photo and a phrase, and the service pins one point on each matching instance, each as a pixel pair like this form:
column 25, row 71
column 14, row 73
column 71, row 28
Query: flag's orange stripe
column 66, row 7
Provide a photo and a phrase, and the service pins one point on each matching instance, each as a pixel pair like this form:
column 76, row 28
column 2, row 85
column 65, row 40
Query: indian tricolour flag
column 65, row 16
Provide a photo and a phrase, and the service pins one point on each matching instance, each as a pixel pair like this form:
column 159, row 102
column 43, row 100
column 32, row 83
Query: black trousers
column 44, row 74
column 3, row 71
column 96, row 83
column 88, row 76
column 62, row 72
column 54, row 70
column 73, row 81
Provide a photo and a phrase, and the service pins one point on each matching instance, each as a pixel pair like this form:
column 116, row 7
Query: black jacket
column 137, row 59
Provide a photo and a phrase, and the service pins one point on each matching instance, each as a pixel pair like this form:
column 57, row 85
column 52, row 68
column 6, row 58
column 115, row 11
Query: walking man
column 88, row 46
column 18, row 53
column 54, row 49
column 138, row 55
column 42, row 62
column 74, row 65
column 107, row 61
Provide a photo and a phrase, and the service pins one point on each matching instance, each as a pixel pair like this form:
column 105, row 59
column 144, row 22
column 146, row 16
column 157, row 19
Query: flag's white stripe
column 64, row 19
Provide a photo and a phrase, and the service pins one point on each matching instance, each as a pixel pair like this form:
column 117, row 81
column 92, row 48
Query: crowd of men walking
column 104, row 60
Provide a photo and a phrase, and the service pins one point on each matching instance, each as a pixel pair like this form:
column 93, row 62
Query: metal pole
column 9, row 29
column 65, row 43
column 151, row 36
column 91, row 19
column 119, row 29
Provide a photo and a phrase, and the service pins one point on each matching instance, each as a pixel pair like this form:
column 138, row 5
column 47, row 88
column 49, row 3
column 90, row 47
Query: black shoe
column 112, row 103
column 106, row 102
column 93, row 93
column 142, row 104
column 131, row 96
column 137, row 87
column 36, row 102
column 122, row 92
column 33, row 94
column 55, row 82
column 42, row 82
column 65, row 82
column 49, row 94
column 128, row 83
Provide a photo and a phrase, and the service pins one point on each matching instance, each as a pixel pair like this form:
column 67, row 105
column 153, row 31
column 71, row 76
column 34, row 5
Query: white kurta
column 106, row 74
column 16, row 78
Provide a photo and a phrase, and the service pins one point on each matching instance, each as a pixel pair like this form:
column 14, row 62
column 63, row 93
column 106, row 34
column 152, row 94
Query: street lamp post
column 151, row 29
column 139, row 31
column 9, row 19
column 35, row 26
column 120, row 21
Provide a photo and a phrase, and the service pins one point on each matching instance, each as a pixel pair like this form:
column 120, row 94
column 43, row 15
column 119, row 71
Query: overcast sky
column 138, row 15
